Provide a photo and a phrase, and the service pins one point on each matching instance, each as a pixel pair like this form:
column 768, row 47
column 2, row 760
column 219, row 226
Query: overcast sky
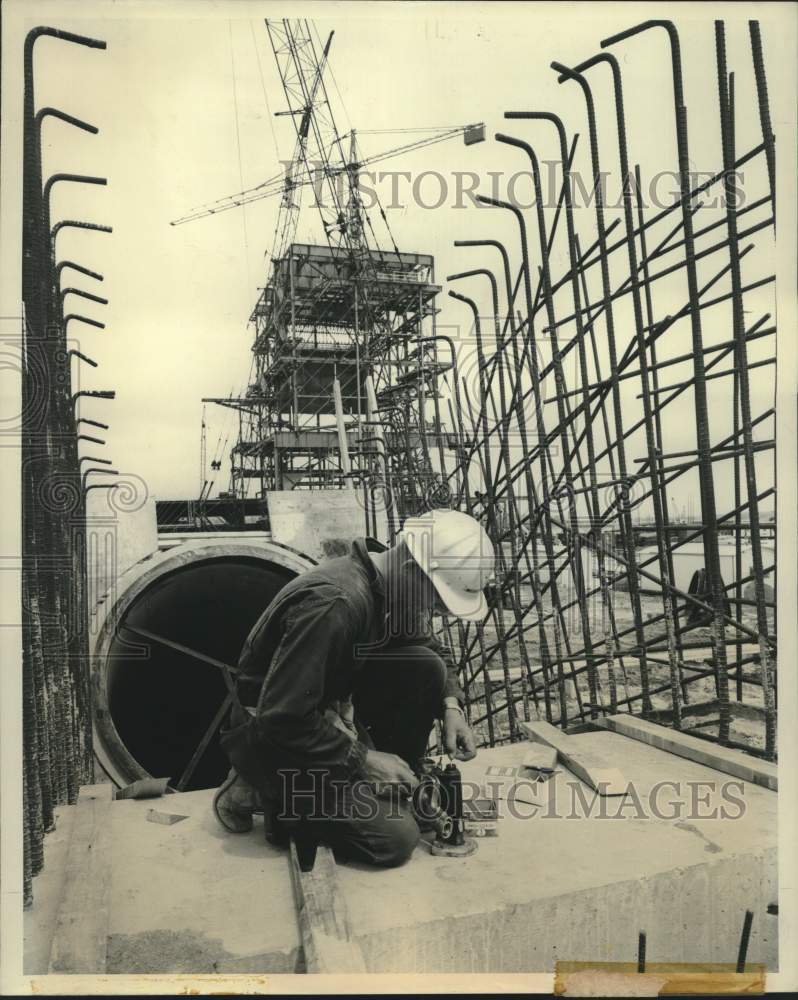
column 179, row 100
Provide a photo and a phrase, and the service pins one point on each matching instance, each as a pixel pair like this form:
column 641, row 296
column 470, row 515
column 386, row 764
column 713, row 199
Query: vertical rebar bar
column 764, row 108
column 741, row 367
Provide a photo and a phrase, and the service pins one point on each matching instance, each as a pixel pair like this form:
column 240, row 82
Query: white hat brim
column 470, row 605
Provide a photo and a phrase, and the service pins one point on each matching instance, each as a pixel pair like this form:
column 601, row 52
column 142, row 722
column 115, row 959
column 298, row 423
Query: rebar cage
column 593, row 403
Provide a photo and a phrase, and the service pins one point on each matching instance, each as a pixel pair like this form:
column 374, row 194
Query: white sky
column 172, row 136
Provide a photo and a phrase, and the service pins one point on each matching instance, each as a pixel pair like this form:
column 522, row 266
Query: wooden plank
column 540, row 757
column 80, row 939
column 622, row 979
column 324, row 928
column 724, row 759
column 594, row 769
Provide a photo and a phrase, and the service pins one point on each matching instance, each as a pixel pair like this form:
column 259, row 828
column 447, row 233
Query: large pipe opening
column 162, row 702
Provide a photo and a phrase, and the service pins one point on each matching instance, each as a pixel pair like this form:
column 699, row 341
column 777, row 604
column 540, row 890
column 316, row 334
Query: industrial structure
column 605, row 601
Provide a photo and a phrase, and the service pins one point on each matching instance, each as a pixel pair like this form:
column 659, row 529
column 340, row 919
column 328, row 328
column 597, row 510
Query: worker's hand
column 387, row 772
column 458, row 739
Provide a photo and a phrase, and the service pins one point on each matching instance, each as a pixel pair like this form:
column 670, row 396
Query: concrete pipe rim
column 110, row 751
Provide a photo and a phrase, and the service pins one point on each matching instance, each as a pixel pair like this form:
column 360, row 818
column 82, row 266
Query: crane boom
column 277, row 184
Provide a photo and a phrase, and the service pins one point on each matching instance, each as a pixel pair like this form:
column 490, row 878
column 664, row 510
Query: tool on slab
column 438, row 800
column 457, row 844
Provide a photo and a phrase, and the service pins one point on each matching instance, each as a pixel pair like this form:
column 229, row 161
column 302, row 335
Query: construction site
column 594, row 382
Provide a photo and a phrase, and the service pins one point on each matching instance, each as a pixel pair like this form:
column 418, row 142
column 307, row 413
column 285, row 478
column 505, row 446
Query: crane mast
column 295, row 56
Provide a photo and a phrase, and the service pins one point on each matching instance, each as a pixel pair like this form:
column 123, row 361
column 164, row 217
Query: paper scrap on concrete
column 167, row 819
column 494, row 771
column 146, row 788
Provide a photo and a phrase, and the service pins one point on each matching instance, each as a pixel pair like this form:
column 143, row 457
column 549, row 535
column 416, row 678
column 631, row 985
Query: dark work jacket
column 304, row 652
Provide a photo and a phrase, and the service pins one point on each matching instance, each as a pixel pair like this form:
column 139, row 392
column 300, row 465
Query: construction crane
column 357, row 299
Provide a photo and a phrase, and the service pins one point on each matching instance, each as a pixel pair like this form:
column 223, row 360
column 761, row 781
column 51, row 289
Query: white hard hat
column 454, row 551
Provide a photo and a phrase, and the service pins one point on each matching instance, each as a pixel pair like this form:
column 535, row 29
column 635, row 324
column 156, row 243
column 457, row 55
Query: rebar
column 566, row 507
column 57, row 721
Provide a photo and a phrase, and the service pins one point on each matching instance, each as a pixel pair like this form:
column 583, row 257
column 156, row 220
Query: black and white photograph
column 398, row 408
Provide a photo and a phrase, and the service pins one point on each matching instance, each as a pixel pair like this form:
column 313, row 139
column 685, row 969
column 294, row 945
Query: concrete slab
column 39, row 922
column 189, row 897
column 575, row 886
column 321, row 523
column 560, row 881
column 186, row 897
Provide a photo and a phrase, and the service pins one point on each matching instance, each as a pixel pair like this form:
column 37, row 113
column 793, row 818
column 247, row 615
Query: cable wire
column 238, row 146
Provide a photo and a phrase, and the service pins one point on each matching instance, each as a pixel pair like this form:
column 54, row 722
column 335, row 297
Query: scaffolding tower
column 309, row 418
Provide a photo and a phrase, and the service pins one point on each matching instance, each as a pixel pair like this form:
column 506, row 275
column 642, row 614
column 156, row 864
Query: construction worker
column 340, row 683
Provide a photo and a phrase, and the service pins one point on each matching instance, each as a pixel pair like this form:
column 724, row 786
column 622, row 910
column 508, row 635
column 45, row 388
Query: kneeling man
column 340, row 683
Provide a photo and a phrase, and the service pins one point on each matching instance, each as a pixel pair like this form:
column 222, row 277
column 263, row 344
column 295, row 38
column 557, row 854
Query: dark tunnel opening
column 163, row 701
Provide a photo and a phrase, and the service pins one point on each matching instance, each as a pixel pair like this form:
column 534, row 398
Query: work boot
column 276, row 828
column 234, row 803
column 276, row 831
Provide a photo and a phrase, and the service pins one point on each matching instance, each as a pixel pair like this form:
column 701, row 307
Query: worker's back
column 345, row 577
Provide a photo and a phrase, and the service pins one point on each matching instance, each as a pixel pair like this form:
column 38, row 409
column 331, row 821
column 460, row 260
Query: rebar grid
column 57, row 720
column 608, row 597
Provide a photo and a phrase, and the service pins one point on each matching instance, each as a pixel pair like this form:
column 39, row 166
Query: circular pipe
column 157, row 702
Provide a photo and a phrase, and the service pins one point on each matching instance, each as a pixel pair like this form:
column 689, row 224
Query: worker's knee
column 428, row 668
column 397, row 844
column 386, row 840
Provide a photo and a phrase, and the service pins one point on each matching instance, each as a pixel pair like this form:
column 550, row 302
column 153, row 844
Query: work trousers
column 396, row 698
